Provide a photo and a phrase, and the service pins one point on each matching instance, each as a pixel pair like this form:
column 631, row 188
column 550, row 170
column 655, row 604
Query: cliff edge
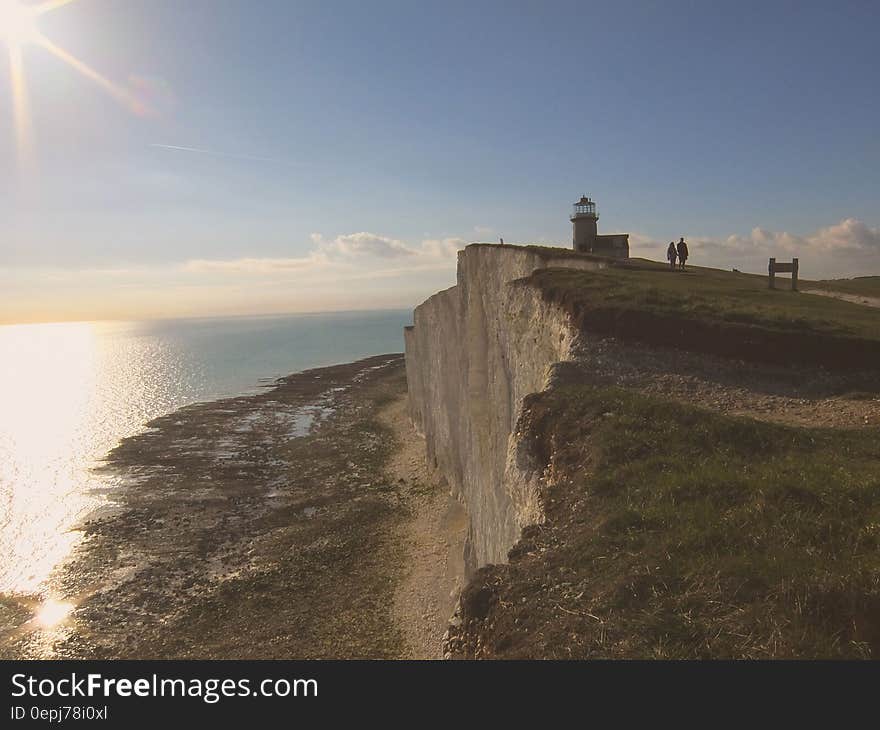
column 474, row 352
column 653, row 463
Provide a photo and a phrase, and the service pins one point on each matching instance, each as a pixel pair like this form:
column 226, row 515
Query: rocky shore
column 278, row 525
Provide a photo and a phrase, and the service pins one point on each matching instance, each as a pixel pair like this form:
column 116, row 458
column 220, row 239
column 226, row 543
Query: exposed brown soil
column 802, row 396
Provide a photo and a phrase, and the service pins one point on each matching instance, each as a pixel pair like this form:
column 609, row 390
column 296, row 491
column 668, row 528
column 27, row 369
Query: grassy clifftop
column 676, row 532
column 866, row 286
column 676, row 526
column 720, row 312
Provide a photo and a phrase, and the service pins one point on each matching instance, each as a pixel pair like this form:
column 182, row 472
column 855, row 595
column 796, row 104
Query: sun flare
column 19, row 27
column 18, row 22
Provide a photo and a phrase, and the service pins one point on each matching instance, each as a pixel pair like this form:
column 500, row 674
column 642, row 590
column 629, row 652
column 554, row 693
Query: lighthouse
column 585, row 236
column 583, row 223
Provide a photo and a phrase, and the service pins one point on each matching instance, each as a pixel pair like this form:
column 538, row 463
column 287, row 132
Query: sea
column 70, row 391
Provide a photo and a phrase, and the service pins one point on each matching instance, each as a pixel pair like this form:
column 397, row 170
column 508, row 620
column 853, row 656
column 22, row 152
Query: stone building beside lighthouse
column 585, row 236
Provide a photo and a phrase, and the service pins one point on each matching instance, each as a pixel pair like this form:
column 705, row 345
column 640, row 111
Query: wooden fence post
column 772, row 269
column 794, row 274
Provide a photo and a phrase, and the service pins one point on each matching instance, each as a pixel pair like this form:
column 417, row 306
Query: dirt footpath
column 433, row 539
column 854, row 298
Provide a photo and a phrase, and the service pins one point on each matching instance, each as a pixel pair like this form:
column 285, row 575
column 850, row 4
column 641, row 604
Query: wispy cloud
column 362, row 244
column 849, row 234
column 847, row 248
column 368, row 269
column 347, row 271
column 212, row 153
column 254, row 265
column 365, row 250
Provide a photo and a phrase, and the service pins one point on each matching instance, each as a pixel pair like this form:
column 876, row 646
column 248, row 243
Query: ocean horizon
column 71, row 391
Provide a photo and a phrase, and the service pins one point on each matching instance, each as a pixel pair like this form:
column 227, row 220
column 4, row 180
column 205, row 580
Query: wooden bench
column 780, row 268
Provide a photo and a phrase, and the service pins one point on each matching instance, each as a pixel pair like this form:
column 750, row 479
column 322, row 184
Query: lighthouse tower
column 585, row 237
column 583, row 223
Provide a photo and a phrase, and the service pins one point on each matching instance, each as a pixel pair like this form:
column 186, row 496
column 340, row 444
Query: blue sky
column 338, row 140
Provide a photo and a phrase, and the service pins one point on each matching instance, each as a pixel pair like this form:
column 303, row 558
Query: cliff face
column 474, row 352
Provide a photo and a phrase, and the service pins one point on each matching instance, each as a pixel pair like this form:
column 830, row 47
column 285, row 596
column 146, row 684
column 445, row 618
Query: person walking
column 682, row 250
column 671, row 253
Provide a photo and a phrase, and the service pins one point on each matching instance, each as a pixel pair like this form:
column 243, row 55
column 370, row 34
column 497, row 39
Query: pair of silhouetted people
column 679, row 252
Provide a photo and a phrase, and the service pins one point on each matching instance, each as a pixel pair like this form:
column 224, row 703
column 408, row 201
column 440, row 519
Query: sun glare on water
column 52, row 613
column 69, row 393
column 47, row 375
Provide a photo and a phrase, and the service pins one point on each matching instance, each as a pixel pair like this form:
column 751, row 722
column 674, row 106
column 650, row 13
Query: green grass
column 676, row 532
column 866, row 286
column 722, row 313
column 709, row 295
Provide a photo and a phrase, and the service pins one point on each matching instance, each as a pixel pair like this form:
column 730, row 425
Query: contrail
column 212, row 153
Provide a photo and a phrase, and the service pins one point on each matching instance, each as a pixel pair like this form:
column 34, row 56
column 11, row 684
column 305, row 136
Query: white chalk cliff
column 474, row 352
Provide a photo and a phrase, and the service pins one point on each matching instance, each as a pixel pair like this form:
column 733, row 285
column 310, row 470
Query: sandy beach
column 296, row 523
